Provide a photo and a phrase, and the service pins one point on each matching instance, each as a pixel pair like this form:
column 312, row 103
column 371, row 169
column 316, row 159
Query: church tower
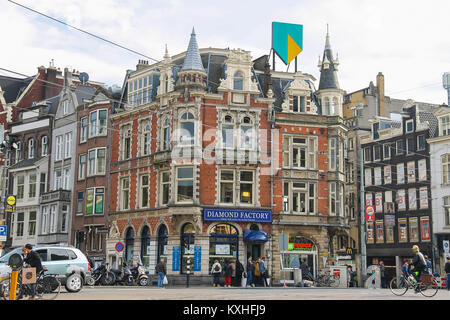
column 329, row 94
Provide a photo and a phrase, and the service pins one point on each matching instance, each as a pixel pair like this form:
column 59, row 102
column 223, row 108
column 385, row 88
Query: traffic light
column 188, row 265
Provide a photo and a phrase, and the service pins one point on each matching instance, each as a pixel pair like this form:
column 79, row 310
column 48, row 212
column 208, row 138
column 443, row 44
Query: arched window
column 31, row 149
column 165, row 144
column 44, row 145
column 223, row 243
column 247, row 133
column 145, row 246
column 254, row 227
column 238, row 81
column 146, row 143
column 228, row 132
column 327, row 106
column 162, row 243
column 129, row 243
column 187, row 244
column 187, row 129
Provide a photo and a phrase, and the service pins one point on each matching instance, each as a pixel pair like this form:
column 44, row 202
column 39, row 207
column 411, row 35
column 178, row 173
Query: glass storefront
column 223, row 244
column 162, row 243
column 300, row 248
column 145, row 246
column 129, row 243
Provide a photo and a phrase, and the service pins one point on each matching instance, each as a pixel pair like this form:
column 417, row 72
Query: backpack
column 423, row 263
column 217, row 268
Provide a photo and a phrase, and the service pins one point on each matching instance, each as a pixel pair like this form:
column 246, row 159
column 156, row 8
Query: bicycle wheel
column 48, row 288
column 4, row 289
column 429, row 289
column 398, row 286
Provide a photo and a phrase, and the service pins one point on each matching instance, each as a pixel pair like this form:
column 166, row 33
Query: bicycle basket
column 426, row 278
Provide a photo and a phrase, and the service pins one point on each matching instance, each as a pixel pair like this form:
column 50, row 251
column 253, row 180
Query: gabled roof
column 25, row 163
column 13, row 87
column 193, row 61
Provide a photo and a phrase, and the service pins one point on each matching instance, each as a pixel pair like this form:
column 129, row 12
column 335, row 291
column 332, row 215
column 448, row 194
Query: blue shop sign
column 238, row 215
column 198, row 258
column 176, row 259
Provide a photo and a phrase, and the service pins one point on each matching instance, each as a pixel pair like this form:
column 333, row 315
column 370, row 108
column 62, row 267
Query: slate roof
column 328, row 77
column 432, row 120
column 13, row 87
column 25, row 163
column 193, row 60
column 84, row 92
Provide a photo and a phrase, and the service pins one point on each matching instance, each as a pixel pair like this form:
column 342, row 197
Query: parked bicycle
column 427, row 286
column 327, row 280
column 48, row 287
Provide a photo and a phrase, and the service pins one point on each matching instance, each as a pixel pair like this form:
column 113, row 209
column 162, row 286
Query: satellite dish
column 84, row 77
column 15, row 146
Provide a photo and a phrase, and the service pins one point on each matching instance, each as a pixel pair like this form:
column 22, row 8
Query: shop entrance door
column 253, row 250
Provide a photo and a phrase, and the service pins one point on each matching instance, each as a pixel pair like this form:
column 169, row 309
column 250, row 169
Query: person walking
column 33, row 260
column 161, row 271
column 382, row 274
column 239, row 273
column 216, row 271
column 227, row 274
column 257, row 278
column 233, row 272
column 262, row 270
column 250, row 269
column 447, row 271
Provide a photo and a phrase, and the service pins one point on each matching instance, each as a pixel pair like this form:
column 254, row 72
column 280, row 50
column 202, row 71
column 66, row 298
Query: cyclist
column 33, row 260
column 419, row 265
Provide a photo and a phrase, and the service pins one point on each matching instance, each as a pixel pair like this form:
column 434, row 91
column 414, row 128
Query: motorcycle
column 123, row 276
column 101, row 275
column 139, row 275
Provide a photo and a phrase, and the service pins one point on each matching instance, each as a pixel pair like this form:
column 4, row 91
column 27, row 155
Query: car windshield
column 5, row 257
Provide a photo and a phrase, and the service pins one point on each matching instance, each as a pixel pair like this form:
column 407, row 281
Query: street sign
column 370, row 213
column 10, row 205
column 3, row 233
column 119, row 246
column 446, row 246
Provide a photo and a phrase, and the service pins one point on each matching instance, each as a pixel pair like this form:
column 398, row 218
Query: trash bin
column 297, row 275
column 341, row 271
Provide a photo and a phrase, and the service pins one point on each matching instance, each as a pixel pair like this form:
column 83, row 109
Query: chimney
column 67, row 77
column 141, row 64
column 380, row 95
column 50, row 89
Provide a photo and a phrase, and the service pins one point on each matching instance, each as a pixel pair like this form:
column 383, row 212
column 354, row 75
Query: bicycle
column 427, row 285
column 327, row 280
column 48, row 287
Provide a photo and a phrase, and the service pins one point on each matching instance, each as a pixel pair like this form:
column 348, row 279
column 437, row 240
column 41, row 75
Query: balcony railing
column 58, row 195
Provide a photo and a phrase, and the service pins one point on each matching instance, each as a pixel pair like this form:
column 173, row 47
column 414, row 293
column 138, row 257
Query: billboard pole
column 363, row 230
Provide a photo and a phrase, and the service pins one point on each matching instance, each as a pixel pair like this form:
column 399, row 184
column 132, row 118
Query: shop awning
column 253, row 235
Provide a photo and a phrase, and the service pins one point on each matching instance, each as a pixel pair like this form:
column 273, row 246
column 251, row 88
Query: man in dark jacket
column 419, row 264
column 239, row 271
column 250, row 270
column 447, row 271
column 161, row 272
column 33, row 260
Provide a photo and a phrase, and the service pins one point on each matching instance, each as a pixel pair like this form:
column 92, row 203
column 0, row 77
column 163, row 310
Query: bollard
column 13, row 284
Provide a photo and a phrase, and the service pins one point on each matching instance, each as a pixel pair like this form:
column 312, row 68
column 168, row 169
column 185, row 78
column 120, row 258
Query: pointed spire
column 166, row 55
column 328, row 75
column 193, row 60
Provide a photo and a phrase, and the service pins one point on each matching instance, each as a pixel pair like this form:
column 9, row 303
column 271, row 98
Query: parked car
column 68, row 263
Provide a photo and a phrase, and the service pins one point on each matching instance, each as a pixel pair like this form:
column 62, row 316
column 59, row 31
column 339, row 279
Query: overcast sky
column 407, row 40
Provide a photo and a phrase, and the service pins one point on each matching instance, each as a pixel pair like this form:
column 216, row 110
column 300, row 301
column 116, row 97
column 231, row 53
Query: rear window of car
column 58, row 254
column 42, row 254
column 72, row 255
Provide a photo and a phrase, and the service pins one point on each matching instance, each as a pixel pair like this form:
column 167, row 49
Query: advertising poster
column 368, row 177
column 379, row 202
column 425, row 228
column 423, row 197
column 89, row 201
column 401, row 173
column 387, row 175
column 422, row 170
column 369, row 199
column 413, row 230
column 380, row 231
column 411, row 172
column 401, row 200
column 412, row 196
column 370, row 235
column 378, row 178
column 402, row 230
column 222, row 249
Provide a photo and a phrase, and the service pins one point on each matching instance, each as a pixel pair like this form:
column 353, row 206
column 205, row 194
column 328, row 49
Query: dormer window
column 444, row 125
column 65, row 107
column 299, row 104
column 238, row 81
column 409, row 126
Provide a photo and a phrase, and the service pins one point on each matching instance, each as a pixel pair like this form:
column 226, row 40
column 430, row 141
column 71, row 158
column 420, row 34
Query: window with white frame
column 32, row 185
column 64, row 217
column 31, row 148
column 333, row 199
column 53, row 218
column 125, row 193
column 126, row 142
column 299, row 104
column 80, row 202
column 32, row 223
column 368, row 154
column 247, row 184
column 409, row 146
column 68, row 145
column 165, row 134
column 96, row 161
column 387, row 175
column 332, row 153
column 228, row 132
column 238, row 81
column 65, row 104
column 444, row 125
column 66, row 180
column 421, row 142
column 44, row 145
column 387, row 151
column 83, row 129
column 227, row 186
column 368, row 177
column 19, row 151
column 422, row 165
column 144, row 191
column 58, row 178
column 376, row 153
column 409, row 126
column 185, row 184
column 20, row 186
column 82, row 167
column 44, row 220
column 59, row 147
column 303, row 197
column 446, row 210
column 98, row 123
column 187, row 125
column 326, row 103
column 445, row 159
column 165, row 187
column 20, row 224
column 42, row 183
column 146, row 139
column 247, row 134
column 401, row 173
column 399, row 147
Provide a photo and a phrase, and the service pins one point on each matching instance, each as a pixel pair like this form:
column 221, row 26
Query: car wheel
column 74, row 283
column 143, row 282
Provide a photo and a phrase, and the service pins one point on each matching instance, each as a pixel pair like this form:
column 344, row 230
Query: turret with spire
column 192, row 74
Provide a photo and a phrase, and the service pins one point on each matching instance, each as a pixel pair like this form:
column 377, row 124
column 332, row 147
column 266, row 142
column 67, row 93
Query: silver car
column 68, row 263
